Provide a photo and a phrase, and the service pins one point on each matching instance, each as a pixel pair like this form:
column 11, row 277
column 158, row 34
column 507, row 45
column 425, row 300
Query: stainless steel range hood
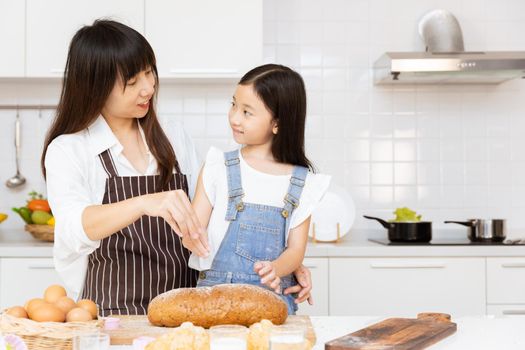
column 445, row 60
column 449, row 68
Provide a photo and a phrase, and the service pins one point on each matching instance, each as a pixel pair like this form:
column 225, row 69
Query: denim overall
column 256, row 233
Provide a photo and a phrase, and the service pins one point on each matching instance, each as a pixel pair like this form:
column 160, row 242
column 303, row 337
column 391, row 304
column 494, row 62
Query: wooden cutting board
column 398, row 334
column 132, row 327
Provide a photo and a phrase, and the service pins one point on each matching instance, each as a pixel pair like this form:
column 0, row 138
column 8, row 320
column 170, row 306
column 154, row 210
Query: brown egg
column 78, row 314
column 53, row 293
column 65, row 304
column 33, row 304
column 17, row 311
column 47, row 313
column 89, row 306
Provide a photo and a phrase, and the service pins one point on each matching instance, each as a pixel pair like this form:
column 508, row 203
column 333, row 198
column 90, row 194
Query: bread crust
column 241, row 304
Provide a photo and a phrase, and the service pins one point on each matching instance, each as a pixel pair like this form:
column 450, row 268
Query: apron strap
column 235, row 191
column 108, row 164
column 291, row 200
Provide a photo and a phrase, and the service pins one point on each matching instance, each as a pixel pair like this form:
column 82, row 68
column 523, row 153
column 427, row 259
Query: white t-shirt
column 76, row 180
column 259, row 188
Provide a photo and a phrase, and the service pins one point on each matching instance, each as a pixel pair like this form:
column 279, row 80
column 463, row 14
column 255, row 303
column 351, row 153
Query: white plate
column 335, row 207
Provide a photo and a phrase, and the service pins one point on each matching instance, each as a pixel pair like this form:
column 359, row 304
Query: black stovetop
column 448, row 242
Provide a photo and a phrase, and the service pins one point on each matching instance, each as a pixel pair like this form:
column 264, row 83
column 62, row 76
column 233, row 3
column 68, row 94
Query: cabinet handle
column 41, row 267
column 513, row 265
column 513, row 312
column 310, row 267
column 192, row 71
column 407, row 266
column 57, row 71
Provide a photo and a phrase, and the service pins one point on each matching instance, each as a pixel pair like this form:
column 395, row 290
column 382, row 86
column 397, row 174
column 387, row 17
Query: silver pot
column 481, row 230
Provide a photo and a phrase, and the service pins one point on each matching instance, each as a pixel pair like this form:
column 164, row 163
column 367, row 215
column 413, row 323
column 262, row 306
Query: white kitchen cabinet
column 51, row 25
column 205, row 38
column 506, row 280
column 22, row 279
column 12, row 37
column 407, row 286
column 320, row 284
column 506, row 310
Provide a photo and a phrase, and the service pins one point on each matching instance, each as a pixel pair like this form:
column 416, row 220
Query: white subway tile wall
column 450, row 152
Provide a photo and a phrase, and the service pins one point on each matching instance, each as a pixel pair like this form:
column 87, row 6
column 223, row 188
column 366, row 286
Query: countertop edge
column 19, row 244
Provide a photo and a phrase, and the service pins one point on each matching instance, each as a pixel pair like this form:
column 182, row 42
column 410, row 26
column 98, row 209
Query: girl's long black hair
column 282, row 91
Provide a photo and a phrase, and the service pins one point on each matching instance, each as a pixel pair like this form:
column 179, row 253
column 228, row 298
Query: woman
column 116, row 184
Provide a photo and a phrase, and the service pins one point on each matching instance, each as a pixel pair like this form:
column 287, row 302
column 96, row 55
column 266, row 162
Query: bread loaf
column 241, row 304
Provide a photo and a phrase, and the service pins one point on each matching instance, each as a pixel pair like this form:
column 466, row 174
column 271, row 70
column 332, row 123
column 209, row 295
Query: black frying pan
column 406, row 231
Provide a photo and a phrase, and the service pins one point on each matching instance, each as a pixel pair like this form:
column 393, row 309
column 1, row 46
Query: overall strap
column 235, row 192
column 291, row 200
column 107, row 163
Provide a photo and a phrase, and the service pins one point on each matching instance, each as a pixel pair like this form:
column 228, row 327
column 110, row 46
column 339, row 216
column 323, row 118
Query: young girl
column 257, row 201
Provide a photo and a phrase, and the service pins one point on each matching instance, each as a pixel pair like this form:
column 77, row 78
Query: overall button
column 284, row 213
column 202, row 275
column 240, row 206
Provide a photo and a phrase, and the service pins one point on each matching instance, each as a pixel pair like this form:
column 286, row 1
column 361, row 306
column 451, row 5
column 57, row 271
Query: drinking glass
column 228, row 337
column 288, row 337
column 91, row 341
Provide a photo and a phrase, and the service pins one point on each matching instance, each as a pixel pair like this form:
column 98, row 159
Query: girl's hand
column 175, row 208
column 269, row 278
column 303, row 276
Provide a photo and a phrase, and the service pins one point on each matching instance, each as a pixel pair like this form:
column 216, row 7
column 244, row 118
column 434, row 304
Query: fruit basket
column 47, row 335
column 37, row 216
column 41, row 232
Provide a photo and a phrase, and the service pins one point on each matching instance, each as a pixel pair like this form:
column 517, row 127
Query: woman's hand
column 176, row 209
column 195, row 245
column 269, row 278
column 304, row 278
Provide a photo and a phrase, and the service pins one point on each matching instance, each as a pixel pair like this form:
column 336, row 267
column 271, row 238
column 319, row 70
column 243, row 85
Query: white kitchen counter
column 478, row 333
column 473, row 332
column 365, row 248
column 22, row 244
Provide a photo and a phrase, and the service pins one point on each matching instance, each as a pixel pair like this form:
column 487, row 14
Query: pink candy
column 111, row 323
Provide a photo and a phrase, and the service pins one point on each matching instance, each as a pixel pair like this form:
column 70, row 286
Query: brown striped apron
column 140, row 261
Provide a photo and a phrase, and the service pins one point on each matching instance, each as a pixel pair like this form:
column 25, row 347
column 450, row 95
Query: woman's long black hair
column 282, row 91
column 98, row 55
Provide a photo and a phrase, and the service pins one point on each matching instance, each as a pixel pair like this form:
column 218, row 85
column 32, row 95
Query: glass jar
column 228, row 337
column 91, row 341
column 288, row 337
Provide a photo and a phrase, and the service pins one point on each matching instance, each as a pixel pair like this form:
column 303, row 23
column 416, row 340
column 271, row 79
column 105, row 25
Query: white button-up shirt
column 76, row 179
